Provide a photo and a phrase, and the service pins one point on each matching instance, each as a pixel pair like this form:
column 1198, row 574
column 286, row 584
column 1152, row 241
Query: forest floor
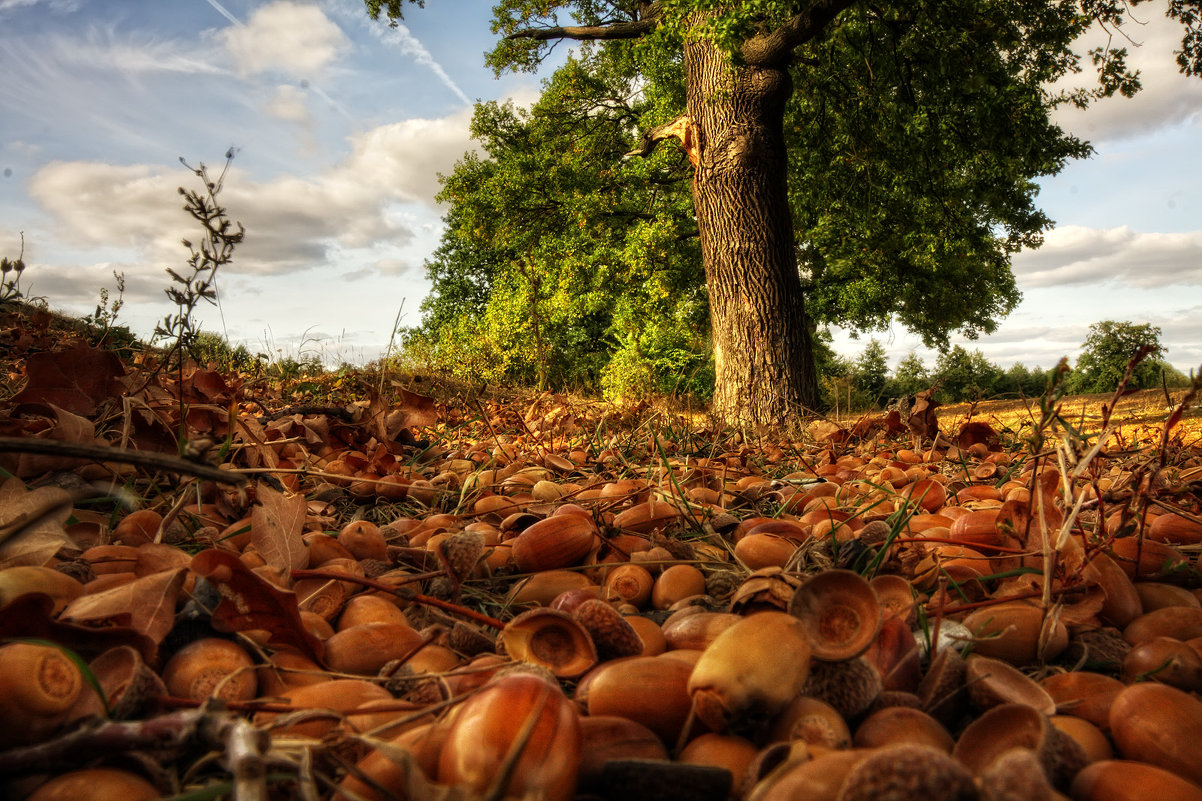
column 361, row 552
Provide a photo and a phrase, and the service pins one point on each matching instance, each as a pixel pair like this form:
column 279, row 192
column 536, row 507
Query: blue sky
column 342, row 125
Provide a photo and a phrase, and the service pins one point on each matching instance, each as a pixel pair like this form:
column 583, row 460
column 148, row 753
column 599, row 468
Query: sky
column 341, row 126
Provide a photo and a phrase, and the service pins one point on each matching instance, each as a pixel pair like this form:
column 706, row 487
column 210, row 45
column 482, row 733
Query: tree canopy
column 1109, row 349
column 914, row 133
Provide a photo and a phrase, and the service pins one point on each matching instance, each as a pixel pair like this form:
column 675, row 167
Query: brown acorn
column 554, row 542
column 1125, row 780
column 209, row 667
column 1161, row 725
column 755, row 667
column 651, row 690
column 96, row 784
column 520, row 722
column 40, row 686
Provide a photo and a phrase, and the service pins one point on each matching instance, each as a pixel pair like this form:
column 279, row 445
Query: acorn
column 1017, row 633
column 606, row 737
column 675, row 583
column 754, row 667
column 908, row 771
column 991, row 682
column 211, row 667
column 96, row 784
column 696, row 629
column 900, row 725
column 1093, row 742
column 1161, row 725
column 811, row 721
column 40, row 685
column 1125, row 780
column 1166, row 660
column 608, row 629
column 365, row 648
column 338, row 696
column 1016, row 775
column 364, row 540
column 1084, row 694
column 651, row 690
column 554, row 543
column 850, row 687
column 629, row 583
column 519, row 722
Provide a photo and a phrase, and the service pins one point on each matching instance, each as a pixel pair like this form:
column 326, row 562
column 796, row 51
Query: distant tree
column 872, row 371
column 964, row 376
column 1108, row 350
column 911, row 376
column 1021, row 380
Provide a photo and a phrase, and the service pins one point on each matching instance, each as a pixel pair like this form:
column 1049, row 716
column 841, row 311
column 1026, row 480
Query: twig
column 104, row 453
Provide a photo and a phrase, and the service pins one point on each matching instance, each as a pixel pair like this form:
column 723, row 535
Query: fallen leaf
column 78, row 379
column 32, row 524
column 32, row 615
column 276, row 525
column 250, row 602
column 64, row 427
column 149, row 602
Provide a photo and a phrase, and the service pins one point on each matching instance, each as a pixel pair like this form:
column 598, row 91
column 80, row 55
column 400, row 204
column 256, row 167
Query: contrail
column 224, row 12
column 411, row 45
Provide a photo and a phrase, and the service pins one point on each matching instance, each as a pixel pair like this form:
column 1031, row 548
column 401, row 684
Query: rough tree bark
column 762, row 345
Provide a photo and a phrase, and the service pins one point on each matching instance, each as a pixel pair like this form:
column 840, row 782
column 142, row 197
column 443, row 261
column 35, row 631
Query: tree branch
column 681, row 128
column 776, row 46
column 618, row 30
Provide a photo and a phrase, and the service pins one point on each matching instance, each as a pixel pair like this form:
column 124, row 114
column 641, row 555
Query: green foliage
column 208, row 348
column 965, row 376
column 1108, row 350
column 910, row 377
column 872, row 370
column 562, row 265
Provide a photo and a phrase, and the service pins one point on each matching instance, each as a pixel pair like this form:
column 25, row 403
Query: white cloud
column 292, row 222
column 288, row 104
column 1074, row 254
column 292, row 38
column 1167, row 96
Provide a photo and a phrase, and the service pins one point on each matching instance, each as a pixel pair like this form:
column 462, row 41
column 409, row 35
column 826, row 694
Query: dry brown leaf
column 276, row 526
column 250, row 602
column 32, row 523
column 65, row 427
column 78, row 379
column 148, row 602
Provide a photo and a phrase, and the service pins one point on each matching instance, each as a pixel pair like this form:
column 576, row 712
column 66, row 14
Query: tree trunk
column 762, row 342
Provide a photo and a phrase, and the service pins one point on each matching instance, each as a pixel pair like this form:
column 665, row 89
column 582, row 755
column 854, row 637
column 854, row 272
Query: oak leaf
column 32, row 523
column 148, row 603
column 276, row 525
column 250, row 602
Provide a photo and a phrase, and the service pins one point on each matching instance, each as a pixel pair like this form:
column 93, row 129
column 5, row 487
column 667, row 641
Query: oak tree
column 851, row 161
